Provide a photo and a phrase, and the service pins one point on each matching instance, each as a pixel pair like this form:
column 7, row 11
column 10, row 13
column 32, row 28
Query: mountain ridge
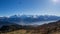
column 29, row 18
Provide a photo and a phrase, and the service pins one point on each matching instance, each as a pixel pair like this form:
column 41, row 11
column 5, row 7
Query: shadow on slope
column 42, row 29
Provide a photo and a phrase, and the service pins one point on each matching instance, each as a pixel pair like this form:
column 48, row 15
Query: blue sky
column 29, row 7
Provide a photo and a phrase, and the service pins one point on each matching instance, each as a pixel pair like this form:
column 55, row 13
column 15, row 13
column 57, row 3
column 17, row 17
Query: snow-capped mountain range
column 26, row 19
column 29, row 18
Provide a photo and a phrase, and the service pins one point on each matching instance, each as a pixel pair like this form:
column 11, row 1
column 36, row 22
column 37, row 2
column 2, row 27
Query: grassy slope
column 51, row 28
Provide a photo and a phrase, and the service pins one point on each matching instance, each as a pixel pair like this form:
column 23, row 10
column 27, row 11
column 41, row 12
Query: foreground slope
column 51, row 28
